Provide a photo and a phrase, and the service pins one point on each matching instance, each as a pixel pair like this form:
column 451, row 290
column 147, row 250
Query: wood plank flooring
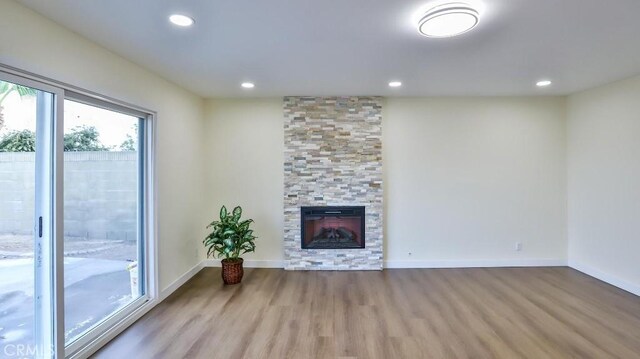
column 400, row 313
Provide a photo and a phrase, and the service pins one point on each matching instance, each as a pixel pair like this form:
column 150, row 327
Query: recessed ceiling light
column 395, row 84
column 543, row 83
column 448, row 20
column 248, row 85
column 181, row 20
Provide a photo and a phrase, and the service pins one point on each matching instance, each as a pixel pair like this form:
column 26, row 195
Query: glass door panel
column 26, row 237
column 102, row 215
column 17, row 212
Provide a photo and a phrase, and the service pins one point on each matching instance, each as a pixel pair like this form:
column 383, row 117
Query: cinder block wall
column 100, row 194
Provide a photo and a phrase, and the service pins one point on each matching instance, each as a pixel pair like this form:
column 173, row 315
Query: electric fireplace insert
column 333, row 227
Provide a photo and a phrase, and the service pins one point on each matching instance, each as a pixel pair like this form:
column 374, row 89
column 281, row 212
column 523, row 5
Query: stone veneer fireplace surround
column 333, row 157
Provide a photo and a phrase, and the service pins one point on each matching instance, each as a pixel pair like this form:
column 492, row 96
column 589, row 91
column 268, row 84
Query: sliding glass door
column 28, row 265
column 74, row 218
column 103, row 187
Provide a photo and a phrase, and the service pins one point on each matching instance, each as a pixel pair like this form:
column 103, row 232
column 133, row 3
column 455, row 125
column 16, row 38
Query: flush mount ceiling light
column 543, row 83
column 395, row 84
column 448, row 20
column 248, row 85
column 181, row 20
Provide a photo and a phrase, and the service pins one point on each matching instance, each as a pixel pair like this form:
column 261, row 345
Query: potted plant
column 230, row 238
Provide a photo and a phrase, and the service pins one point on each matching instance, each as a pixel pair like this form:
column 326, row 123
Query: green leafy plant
column 230, row 237
column 130, row 144
column 18, row 141
column 83, row 138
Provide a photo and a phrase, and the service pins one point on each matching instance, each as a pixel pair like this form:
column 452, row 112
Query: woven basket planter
column 232, row 270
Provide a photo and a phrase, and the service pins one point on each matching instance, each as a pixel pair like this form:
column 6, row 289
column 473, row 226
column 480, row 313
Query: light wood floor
column 402, row 313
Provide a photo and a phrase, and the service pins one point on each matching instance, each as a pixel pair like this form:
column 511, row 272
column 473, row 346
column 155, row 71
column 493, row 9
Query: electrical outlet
column 518, row 246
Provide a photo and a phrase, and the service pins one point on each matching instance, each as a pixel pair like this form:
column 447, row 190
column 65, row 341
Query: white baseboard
column 605, row 277
column 247, row 263
column 420, row 264
column 181, row 281
column 476, row 263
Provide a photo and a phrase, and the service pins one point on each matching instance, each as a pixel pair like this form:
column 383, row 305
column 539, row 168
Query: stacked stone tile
column 333, row 157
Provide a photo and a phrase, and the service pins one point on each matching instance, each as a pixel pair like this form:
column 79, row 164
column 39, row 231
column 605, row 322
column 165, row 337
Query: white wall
column 36, row 44
column 464, row 178
column 467, row 178
column 604, row 182
column 245, row 166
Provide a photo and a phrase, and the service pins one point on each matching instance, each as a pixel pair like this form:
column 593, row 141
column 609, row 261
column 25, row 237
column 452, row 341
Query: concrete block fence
column 100, row 194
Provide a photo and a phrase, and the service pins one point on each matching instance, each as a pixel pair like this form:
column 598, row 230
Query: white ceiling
column 355, row 47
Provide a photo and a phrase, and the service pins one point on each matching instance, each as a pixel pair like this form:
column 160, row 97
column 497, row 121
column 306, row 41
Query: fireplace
column 332, row 227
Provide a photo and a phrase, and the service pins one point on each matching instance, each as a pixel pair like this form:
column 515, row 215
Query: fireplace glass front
column 333, row 227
